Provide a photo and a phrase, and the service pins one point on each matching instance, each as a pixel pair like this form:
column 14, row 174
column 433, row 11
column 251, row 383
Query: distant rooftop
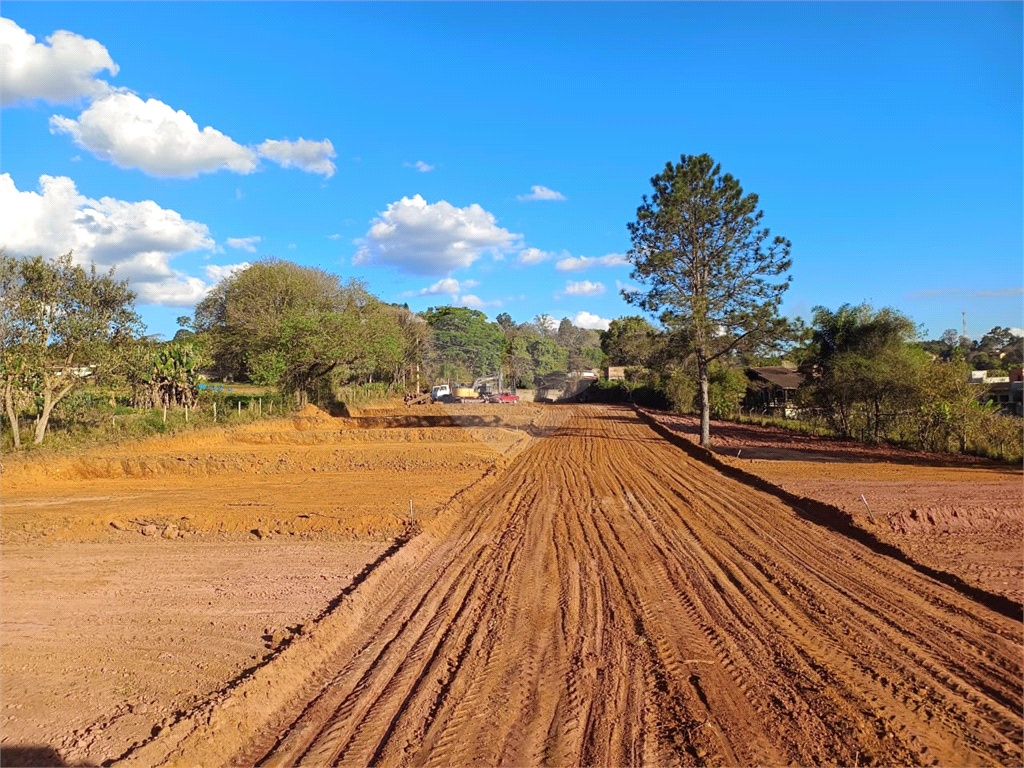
column 780, row 376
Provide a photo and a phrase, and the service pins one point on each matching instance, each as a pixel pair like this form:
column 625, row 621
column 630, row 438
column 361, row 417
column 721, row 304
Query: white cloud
column 1016, row 331
column 576, row 263
column 538, row 192
column 432, row 239
column 307, row 155
column 446, row 286
column 475, row 302
column 587, row 320
column 530, row 256
column 583, row 288
column 154, row 137
column 335, row 236
column 420, row 166
column 244, row 243
column 139, row 239
column 215, row 272
column 151, row 136
column 621, row 286
column 62, row 71
column 292, row 246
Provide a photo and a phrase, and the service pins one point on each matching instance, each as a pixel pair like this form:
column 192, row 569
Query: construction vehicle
column 484, row 389
column 445, row 393
column 488, row 385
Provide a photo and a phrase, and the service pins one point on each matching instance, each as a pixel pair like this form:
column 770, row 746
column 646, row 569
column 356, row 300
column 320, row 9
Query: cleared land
column 596, row 596
column 226, row 543
column 958, row 514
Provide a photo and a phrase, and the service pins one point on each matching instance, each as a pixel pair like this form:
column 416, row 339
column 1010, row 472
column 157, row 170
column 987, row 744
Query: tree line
column 304, row 330
column 867, row 375
column 298, row 330
column 710, row 272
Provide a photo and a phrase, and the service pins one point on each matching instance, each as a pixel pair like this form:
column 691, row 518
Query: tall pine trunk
column 705, row 403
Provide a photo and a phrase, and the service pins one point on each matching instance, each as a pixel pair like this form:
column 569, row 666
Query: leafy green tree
column 950, row 342
column 948, row 409
column 680, row 386
column 505, row 321
column 582, row 345
column 709, row 266
column 464, row 338
column 353, row 342
column 417, row 345
column 545, row 325
column 59, row 324
column 726, row 389
column 517, row 361
column 629, row 340
column 585, row 358
column 547, row 355
column 863, row 367
column 282, row 324
column 999, row 349
column 245, row 312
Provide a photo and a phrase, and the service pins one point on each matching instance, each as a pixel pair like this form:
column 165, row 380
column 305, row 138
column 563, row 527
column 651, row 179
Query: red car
column 507, row 399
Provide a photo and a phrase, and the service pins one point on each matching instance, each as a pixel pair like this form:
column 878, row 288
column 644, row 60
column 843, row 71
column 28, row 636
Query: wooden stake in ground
column 165, row 414
column 186, row 414
column 870, row 516
column 215, row 412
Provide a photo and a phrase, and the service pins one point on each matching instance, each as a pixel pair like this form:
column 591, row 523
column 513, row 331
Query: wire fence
column 95, row 416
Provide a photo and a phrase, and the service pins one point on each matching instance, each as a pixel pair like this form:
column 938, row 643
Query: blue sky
column 491, row 154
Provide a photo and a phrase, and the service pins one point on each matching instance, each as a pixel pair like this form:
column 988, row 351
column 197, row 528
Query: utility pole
column 964, row 316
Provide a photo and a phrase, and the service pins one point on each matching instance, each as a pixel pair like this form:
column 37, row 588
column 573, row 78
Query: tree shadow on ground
column 25, row 755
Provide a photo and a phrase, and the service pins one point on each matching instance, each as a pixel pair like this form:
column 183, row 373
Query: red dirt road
column 609, row 600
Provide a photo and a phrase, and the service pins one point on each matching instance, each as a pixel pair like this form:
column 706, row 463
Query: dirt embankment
column 958, row 514
column 607, row 599
column 310, row 476
column 139, row 579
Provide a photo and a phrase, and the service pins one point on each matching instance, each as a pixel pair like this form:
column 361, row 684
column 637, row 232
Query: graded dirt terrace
column 137, row 580
column 607, row 599
column 962, row 515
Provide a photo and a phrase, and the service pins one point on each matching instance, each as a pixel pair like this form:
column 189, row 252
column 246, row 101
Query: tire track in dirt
column 610, row 600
